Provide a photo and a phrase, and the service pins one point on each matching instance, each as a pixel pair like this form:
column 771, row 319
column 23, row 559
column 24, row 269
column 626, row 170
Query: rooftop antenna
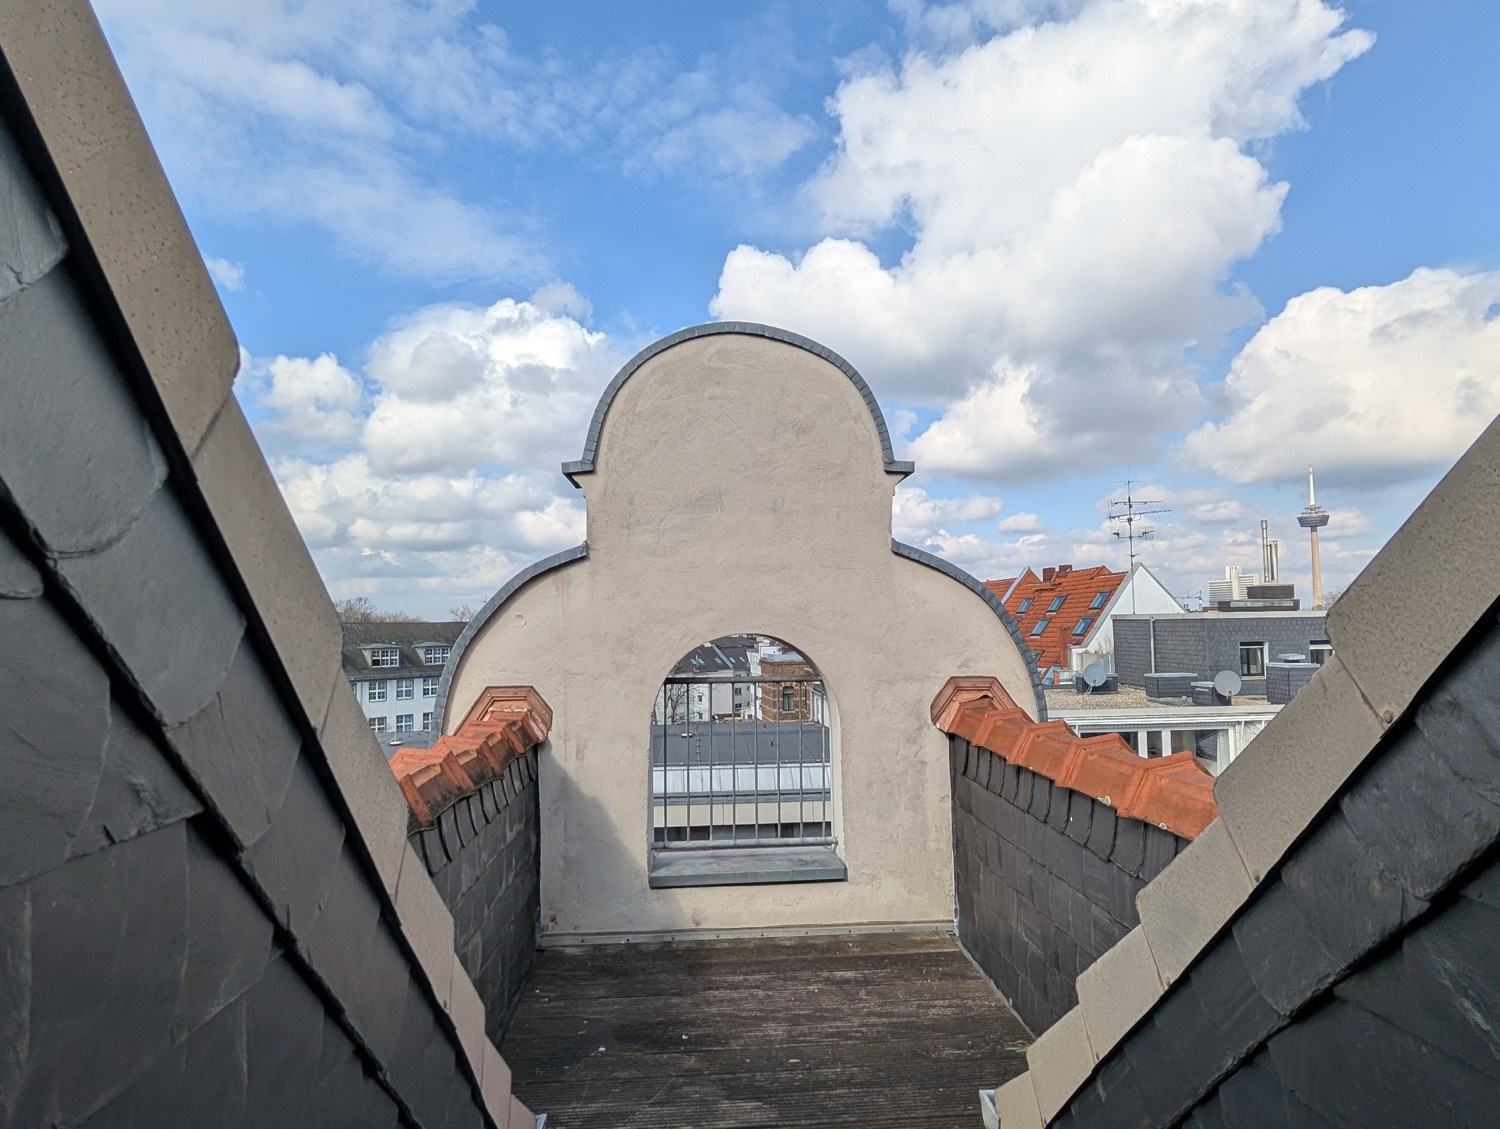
column 1127, row 511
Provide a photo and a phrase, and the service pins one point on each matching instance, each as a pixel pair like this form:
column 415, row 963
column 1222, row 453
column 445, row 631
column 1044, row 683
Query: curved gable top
column 585, row 464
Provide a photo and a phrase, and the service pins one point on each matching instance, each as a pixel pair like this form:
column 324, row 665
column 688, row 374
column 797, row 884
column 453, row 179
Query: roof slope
column 1058, row 602
column 405, row 637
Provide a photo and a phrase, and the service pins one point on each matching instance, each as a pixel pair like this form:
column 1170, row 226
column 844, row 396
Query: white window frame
column 377, row 724
column 385, row 656
column 376, row 690
column 430, row 685
column 427, row 721
column 427, row 653
column 1264, row 654
column 406, row 723
column 403, row 689
column 1325, row 650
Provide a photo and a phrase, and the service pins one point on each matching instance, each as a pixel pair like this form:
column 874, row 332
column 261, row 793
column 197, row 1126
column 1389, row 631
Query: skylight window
column 1025, row 606
column 1041, row 625
column 1057, row 602
column 1083, row 625
column 1099, row 601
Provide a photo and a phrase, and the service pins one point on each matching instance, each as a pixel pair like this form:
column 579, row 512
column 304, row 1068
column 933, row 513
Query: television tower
column 1313, row 518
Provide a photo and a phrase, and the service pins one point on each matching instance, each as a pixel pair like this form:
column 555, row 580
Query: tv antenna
column 1129, row 511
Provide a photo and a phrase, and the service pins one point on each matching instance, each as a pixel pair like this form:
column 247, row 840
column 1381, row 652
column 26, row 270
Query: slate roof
column 1077, row 588
column 408, row 638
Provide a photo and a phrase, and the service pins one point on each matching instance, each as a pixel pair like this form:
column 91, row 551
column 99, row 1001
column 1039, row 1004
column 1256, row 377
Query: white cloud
column 231, row 276
column 1020, row 523
column 437, row 471
column 1078, row 189
column 1382, row 382
column 366, row 119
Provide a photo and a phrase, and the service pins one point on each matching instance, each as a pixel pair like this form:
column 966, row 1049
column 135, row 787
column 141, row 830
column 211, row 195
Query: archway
column 742, row 750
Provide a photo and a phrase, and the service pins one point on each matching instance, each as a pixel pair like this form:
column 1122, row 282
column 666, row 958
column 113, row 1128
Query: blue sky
column 1196, row 243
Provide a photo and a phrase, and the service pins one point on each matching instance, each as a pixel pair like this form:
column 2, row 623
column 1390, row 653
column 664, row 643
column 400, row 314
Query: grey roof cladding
column 585, row 463
column 408, row 638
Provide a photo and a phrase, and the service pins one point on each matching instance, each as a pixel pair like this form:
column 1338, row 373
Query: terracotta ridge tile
column 1172, row 792
column 503, row 724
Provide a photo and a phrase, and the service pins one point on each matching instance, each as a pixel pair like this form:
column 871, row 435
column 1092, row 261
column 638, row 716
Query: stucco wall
column 739, row 486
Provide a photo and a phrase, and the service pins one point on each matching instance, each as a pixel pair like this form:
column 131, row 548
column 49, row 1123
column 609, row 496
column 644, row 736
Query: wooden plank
column 877, row 1030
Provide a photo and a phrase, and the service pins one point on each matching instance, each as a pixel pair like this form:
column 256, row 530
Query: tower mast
column 1313, row 518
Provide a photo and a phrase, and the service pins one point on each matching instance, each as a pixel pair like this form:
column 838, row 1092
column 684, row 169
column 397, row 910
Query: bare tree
column 362, row 609
column 461, row 612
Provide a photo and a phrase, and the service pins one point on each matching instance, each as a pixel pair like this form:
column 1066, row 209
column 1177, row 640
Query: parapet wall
column 1045, row 878
column 476, row 825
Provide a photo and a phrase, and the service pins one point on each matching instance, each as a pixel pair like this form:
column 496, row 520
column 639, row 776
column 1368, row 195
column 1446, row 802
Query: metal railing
column 741, row 762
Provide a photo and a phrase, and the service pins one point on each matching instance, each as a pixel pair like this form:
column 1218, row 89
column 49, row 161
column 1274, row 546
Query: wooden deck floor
column 875, row 1030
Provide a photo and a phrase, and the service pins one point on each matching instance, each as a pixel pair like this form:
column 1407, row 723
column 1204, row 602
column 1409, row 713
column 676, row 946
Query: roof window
column 1041, row 625
column 385, row 656
column 1025, row 606
column 1057, row 602
column 1100, row 600
column 1083, row 625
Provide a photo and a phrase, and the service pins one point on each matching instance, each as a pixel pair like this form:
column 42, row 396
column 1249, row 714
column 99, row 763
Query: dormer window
column 385, row 656
column 435, row 655
column 1057, row 602
column 1100, row 600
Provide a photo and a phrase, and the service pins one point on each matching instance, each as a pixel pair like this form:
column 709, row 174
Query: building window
column 427, row 720
column 429, row 685
column 1041, row 625
column 1083, row 625
column 1320, row 652
column 377, row 725
column 1253, row 660
column 788, row 699
column 403, row 688
column 1025, row 606
column 435, row 656
column 405, row 723
column 1100, row 600
column 354, row 686
column 1057, row 602
column 376, row 692
column 385, row 656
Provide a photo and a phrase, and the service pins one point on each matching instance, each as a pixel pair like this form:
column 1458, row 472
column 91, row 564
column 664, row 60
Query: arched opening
column 742, row 744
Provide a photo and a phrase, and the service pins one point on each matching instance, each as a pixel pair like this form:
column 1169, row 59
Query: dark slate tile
column 1107, row 931
column 108, row 950
column 1080, row 816
column 15, row 990
column 1057, row 812
column 1348, row 900
column 1462, row 715
column 75, row 451
column 423, row 1066
column 157, row 598
column 1235, row 1017
column 243, row 748
column 138, row 791
column 284, row 1030
column 52, row 737
column 1356, row 1069
column 1065, row 858
column 1417, row 817
column 1102, row 821
column 294, row 860
column 1130, row 845
column 1110, row 1100
column 1041, row 797
column 19, row 578
column 1206, row 1115
column 228, row 938
column 1165, row 1091
column 1285, row 959
column 31, row 242
column 1253, row 1097
column 1440, row 986
column 429, row 845
column 199, row 1082
column 1160, row 850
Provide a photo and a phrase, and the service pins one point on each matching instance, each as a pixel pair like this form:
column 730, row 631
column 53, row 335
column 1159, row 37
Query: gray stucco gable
column 585, row 463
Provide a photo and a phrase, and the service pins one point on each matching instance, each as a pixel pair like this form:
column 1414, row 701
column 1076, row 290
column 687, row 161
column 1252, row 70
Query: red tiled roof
column 1078, row 588
column 504, row 723
column 1172, row 792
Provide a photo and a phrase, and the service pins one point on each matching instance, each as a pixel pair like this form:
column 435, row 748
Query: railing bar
column 682, row 680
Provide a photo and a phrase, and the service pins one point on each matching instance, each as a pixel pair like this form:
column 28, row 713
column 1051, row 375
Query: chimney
column 1047, row 574
column 1063, row 570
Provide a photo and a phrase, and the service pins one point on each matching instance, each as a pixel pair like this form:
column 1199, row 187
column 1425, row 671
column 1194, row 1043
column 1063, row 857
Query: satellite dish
column 1227, row 683
column 1095, row 675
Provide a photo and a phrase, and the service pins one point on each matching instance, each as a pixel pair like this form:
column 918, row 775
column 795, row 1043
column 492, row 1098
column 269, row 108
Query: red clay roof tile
column 1173, row 792
column 1078, row 588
